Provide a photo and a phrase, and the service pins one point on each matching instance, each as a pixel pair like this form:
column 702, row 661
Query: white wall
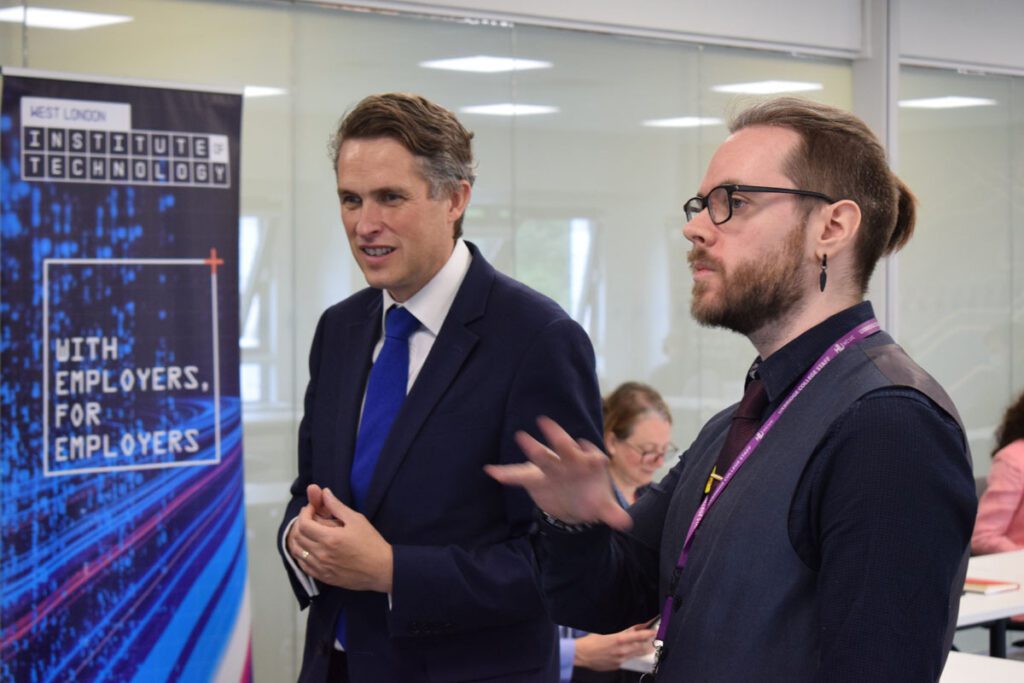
column 984, row 34
column 831, row 27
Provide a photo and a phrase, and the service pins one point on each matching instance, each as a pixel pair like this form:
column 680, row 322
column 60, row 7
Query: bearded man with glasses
column 817, row 531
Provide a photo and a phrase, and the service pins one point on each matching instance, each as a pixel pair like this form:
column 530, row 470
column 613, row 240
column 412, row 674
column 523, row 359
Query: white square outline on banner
column 212, row 261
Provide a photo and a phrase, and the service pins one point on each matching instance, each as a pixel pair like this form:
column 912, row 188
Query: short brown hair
column 430, row 132
column 839, row 156
column 627, row 404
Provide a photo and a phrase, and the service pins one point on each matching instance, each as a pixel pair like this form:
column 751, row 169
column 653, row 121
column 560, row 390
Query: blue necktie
column 385, row 392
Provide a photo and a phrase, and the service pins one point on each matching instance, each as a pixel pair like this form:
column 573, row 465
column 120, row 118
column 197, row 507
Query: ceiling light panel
column 509, row 109
column 485, row 64
column 263, row 91
column 767, row 87
column 947, row 102
column 66, row 20
column 683, row 122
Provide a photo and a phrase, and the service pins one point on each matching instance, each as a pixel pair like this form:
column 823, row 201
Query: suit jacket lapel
column 358, row 341
column 450, row 350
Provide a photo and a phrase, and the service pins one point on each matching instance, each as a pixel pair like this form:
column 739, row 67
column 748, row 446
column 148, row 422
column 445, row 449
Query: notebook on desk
column 989, row 586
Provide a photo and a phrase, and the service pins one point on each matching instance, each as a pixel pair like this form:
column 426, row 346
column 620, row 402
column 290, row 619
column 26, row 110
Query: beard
column 756, row 293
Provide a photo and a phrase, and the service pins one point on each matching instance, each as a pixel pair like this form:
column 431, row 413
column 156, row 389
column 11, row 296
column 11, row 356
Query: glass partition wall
column 587, row 147
column 961, row 278
column 961, row 296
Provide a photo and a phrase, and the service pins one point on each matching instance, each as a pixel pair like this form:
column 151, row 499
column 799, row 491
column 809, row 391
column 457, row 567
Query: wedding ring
column 305, row 554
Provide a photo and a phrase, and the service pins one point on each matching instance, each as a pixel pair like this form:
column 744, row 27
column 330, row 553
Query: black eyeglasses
column 719, row 201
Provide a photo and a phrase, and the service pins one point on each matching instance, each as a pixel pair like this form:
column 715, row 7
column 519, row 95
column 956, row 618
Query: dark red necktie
column 745, row 422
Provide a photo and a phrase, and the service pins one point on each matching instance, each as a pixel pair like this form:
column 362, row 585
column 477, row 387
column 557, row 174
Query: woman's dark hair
column 1012, row 427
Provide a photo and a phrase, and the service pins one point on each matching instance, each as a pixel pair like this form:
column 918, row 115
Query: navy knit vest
column 744, row 590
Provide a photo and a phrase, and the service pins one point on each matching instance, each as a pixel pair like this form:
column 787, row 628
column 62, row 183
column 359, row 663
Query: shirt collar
column 431, row 304
column 784, row 367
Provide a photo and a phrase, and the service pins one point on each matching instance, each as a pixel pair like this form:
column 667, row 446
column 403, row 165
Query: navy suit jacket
column 466, row 605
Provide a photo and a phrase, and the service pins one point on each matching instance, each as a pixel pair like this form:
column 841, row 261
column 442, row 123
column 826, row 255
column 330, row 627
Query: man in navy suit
column 428, row 574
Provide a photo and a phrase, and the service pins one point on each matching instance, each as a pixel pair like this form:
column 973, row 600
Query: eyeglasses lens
column 718, row 205
column 692, row 208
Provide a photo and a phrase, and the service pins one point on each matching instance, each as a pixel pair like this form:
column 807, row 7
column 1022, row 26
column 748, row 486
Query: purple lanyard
column 858, row 333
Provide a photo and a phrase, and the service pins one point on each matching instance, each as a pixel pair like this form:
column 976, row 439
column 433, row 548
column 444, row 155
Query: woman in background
column 637, row 437
column 1000, row 523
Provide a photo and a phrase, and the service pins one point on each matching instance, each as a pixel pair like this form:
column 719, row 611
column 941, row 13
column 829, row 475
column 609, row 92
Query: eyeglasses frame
column 731, row 188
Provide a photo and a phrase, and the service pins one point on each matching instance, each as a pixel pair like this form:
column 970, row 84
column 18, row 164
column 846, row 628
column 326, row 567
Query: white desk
column 966, row 668
column 979, row 609
column 994, row 611
column 960, row 668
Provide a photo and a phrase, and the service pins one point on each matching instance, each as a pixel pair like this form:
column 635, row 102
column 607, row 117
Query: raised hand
column 568, row 480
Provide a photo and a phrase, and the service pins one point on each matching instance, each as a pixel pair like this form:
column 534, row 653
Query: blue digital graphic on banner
column 122, row 505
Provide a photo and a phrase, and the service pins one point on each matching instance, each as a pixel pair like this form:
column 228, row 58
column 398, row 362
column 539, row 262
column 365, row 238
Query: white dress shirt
column 430, row 305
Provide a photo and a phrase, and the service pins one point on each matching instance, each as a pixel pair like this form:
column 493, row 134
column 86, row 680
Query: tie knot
column 399, row 323
column 755, row 398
